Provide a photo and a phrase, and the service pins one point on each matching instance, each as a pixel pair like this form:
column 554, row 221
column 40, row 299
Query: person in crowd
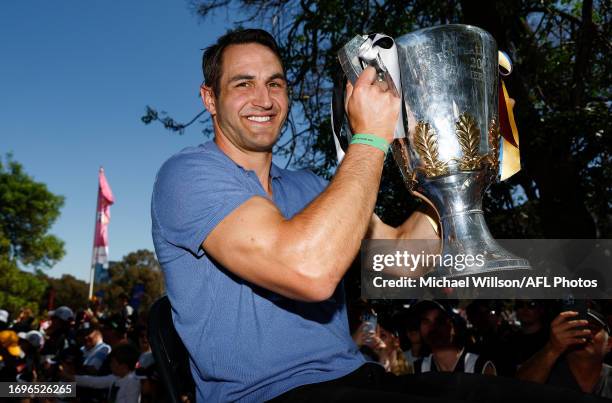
column 122, row 386
column 127, row 311
column 11, row 355
column 444, row 332
column 390, row 354
column 4, row 319
column 95, row 350
column 378, row 340
column 533, row 332
column 363, row 326
column 490, row 334
column 24, row 321
column 146, row 356
column 114, row 329
column 408, row 323
column 150, row 388
column 59, row 335
column 31, row 343
column 574, row 355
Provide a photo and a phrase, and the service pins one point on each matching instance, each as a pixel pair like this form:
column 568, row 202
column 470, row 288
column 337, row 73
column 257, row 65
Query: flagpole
column 93, row 249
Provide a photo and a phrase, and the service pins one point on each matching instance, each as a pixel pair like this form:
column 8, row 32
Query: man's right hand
column 566, row 332
column 372, row 108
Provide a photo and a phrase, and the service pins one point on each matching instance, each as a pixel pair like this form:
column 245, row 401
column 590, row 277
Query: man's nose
column 262, row 97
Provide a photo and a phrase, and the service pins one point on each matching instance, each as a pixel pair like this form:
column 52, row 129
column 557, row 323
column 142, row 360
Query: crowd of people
column 549, row 342
column 108, row 355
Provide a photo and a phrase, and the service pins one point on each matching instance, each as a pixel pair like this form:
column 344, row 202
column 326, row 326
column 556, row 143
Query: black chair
column 170, row 354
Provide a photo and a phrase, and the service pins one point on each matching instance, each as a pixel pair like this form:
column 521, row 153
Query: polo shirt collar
column 275, row 171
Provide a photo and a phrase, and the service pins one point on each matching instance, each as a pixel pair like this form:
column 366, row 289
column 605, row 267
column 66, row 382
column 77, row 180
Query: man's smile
column 260, row 119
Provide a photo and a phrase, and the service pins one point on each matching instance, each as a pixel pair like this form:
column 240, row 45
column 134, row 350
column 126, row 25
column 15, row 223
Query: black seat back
column 170, row 353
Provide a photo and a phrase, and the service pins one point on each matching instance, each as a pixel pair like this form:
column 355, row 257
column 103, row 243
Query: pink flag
column 105, row 200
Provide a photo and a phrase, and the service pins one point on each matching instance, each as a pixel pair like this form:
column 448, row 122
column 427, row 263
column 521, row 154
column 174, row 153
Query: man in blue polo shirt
column 253, row 255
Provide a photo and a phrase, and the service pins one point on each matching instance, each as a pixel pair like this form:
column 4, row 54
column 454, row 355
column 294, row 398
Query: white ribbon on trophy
column 380, row 52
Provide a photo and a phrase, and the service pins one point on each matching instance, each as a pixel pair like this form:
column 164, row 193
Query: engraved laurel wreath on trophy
column 447, row 140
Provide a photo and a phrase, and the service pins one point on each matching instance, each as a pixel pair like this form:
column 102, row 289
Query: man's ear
column 208, row 97
column 609, row 344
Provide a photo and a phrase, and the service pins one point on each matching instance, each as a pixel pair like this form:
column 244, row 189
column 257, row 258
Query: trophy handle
column 340, row 127
column 348, row 57
column 378, row 51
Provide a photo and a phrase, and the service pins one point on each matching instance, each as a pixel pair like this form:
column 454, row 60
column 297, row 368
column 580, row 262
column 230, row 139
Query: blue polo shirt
column 246, row 343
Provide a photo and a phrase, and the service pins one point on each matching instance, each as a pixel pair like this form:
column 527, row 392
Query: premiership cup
column 447, row 142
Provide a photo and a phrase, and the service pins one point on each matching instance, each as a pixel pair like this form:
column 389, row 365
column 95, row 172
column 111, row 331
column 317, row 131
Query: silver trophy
column 447, row 139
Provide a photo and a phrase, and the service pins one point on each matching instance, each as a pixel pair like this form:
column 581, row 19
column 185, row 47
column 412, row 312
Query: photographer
column 573, row 357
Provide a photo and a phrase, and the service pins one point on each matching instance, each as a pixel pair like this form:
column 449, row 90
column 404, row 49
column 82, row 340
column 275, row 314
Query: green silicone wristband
column 371, row 140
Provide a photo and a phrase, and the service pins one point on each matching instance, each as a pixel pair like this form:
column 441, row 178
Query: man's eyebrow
column 239, row 77
column 275, row 76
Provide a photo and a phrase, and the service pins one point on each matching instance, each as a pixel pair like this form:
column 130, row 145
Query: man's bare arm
column 419, row 225
column 538, row 367
column 564, row 333
column 305, row 257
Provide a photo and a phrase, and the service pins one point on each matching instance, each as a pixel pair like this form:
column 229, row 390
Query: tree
column 67, row 290
column 27, row 212
column 140, row 267
column 19, row 289
column 561, row 83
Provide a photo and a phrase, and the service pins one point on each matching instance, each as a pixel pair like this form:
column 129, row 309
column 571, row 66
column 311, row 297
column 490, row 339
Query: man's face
column 414, row 336
column 92, row 339
column 528, row 312
column 252, row 103
column 118, row 369
column 436, row 328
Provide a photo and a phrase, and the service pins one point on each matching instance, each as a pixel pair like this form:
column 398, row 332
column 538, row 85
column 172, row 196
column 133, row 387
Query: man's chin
column 261, row 143
column 263, row 148
column 581, row 350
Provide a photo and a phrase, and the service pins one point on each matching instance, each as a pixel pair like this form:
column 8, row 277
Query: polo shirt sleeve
column 99, row 356
column 317, row 183
column 192, row 194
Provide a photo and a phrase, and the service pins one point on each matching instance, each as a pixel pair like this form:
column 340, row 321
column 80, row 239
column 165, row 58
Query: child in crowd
column 123, row 385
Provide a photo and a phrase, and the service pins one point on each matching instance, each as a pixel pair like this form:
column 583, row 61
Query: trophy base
column 490, row 267
column 465, row 236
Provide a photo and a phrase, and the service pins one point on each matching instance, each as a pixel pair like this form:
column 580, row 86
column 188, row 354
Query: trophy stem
column 465, row 235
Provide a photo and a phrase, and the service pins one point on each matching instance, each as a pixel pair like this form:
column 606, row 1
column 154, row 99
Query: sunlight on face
column 252, row 103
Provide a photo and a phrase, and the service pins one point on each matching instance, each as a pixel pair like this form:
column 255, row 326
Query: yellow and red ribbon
column 510, row 152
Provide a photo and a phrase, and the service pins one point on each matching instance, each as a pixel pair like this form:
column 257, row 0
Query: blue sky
column 75, row 77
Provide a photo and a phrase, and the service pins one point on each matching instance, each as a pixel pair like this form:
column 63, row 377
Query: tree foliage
column 27, row 212
column 67, row 290
column 139, row 267
column 561, row 52
column 19, row 289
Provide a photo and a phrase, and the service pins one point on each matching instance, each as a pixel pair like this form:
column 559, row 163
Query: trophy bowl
column 450, row 154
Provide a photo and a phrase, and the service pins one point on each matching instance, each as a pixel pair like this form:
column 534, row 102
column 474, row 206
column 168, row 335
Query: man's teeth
column 259, row 118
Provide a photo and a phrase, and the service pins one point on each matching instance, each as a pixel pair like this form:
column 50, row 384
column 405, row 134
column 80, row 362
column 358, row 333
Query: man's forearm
column 538, row 367
column 334, row 224
column 420, row 225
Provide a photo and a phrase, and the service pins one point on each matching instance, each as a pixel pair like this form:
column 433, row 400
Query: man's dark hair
column 88, row 328
column 212, row 59
column 126, row 354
